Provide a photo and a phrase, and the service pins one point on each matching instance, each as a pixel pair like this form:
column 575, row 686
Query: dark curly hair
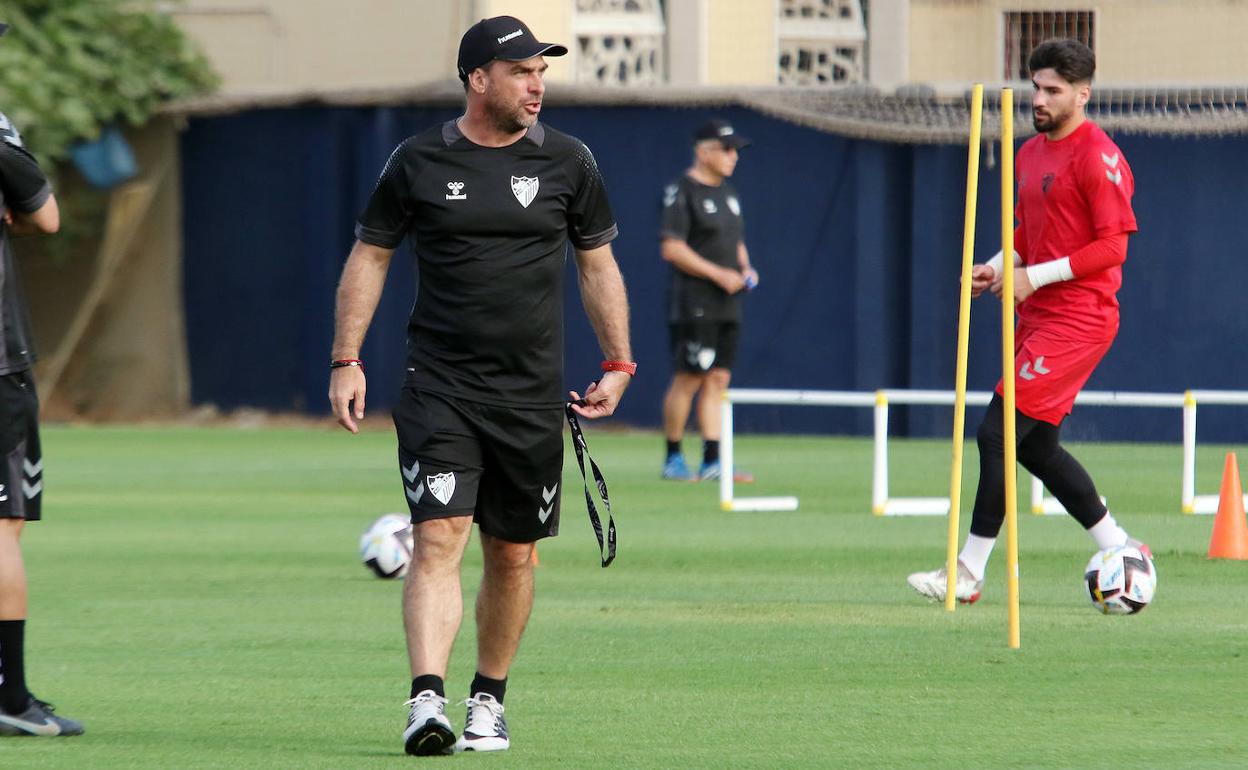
column 1072, row 60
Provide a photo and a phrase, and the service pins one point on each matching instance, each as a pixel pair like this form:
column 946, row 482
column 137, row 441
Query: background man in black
column 702, row 237
column 26, row 206
column 490, row 201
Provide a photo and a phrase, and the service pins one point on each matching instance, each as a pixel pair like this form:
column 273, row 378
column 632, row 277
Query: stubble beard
column 510, row 118
column 1052, row 123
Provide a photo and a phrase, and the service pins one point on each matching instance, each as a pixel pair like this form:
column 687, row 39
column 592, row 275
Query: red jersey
column 1070, row 193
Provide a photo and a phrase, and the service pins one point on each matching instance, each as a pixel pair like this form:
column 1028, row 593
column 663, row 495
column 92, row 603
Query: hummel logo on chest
column 456, row 191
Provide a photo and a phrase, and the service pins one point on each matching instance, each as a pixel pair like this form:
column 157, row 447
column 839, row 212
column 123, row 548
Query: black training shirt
column 23, row 189
column 709, row 220
column 489, row 227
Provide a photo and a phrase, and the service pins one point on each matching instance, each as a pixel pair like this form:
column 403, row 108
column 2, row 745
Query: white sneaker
column 486, row 730
column 428, row 730
column 933, row 584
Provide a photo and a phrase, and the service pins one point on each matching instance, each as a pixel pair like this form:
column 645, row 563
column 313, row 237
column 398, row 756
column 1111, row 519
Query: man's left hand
column 601, row 397
column 1022, row 285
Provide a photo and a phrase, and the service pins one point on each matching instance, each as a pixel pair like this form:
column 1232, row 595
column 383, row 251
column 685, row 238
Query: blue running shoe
column 676, row 470
column 711, row 472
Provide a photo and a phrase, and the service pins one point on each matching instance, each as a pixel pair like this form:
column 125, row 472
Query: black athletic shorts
column 21, row 460
column 500, row 465
column 699, row 346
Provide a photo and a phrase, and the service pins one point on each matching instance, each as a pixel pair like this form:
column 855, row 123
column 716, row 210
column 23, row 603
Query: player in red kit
column 1074, row 217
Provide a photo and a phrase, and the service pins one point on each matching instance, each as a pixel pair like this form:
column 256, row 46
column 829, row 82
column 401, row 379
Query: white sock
column 975, row 553
column 1107, row 534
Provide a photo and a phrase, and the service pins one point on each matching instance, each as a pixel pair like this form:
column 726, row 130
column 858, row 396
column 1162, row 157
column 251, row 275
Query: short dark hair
column 1073, row 61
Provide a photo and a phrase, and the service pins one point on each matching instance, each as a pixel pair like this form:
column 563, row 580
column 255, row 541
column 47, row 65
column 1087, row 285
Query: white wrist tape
column 1046, row 273
column 997, row 261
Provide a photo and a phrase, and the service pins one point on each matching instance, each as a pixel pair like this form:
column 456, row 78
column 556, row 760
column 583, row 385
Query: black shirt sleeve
column 389, row 212
column 24, row 187
column 676, row 221
column 590, row 221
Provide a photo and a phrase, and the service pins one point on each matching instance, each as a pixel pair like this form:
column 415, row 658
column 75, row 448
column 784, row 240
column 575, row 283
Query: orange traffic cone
column 1230, row 530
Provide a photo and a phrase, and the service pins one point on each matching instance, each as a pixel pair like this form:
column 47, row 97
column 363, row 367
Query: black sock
column 710, row 452
column 495, row 688
column 13, row 693
column 673, row 448
column 428, row 682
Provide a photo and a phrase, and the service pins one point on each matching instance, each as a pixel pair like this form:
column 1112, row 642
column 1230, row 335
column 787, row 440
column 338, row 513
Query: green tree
column 70, row 67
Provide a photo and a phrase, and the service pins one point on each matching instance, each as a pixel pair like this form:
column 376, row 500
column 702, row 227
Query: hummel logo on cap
column 502, row 37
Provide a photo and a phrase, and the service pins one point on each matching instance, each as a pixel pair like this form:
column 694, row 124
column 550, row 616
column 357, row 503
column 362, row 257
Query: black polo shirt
column 489, row 227
column 23, row 189
column 709, row 220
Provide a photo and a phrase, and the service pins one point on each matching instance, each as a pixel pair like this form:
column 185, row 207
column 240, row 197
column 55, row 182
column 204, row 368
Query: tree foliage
column 70, row 67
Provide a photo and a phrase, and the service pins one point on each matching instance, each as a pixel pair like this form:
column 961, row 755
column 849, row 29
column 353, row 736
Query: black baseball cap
column 723, row 131
column 502, row 37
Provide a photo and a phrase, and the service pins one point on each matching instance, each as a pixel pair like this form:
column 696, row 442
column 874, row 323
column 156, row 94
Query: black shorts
column 21, row 459
column 500, row 465
column 699, row 346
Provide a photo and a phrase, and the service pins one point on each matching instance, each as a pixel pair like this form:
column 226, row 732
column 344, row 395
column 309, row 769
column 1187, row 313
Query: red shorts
column 1050, row 371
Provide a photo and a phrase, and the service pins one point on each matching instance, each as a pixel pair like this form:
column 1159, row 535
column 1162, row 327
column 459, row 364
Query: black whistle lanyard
column 605, row 551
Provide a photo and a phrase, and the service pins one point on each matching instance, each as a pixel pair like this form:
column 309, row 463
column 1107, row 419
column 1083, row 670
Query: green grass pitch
column 196, row 600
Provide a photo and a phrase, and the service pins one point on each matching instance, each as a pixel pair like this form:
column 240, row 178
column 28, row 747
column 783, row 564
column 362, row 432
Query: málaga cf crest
column 524, row 188
column 442, row 486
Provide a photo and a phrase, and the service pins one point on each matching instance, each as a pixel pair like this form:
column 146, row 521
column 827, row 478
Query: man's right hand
column 730, row 280
column 346, row 395
column 982, row 278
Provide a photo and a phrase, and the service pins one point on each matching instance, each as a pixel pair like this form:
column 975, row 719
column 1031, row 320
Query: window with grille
column 1024, row 30
column 822, row 42
column 619, row 42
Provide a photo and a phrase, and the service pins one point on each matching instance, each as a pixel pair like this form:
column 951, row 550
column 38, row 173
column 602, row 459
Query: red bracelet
column 628, row 367
column 341, row 362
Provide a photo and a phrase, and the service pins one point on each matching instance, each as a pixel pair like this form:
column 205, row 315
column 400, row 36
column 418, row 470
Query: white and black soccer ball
column 386, row 546
column 1120, row 580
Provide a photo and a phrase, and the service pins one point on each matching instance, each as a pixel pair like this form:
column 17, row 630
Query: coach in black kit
column 702, row 238
column 26, row 206
column 490, row 201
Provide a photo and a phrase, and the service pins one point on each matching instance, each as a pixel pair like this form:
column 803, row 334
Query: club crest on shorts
column 706, row 357
column 441, row 486
column 524, row 188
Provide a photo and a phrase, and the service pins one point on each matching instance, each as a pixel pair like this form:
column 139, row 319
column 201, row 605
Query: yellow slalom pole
column 1007, row 360
column 964, row 331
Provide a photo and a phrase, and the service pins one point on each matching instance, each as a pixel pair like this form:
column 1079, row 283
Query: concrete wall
column 284, row 46
column 741, row 42
column 280, row 46
column 1152, row 42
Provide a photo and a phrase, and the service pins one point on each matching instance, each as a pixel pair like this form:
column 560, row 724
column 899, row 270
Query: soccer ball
column 386, row 546
column 1120, row 580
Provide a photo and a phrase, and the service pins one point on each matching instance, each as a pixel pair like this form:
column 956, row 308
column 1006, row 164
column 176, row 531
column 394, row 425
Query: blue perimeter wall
column 858, row 244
